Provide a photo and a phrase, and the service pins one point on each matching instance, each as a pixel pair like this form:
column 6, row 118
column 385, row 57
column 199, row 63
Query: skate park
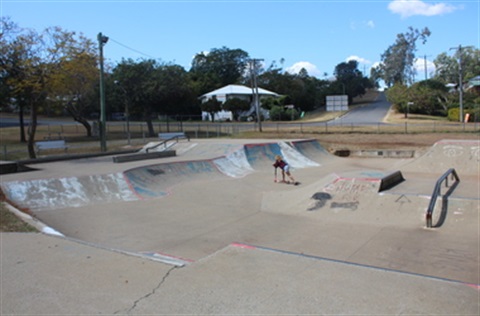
column 208, row 231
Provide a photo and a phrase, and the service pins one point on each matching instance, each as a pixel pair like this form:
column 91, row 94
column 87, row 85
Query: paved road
column 372, row 113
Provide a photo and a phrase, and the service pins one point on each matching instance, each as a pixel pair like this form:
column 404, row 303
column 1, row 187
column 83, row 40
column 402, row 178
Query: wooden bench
column 51, row 144
column 172, row 135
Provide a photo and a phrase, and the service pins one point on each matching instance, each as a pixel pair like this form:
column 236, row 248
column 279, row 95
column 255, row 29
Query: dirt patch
column 388, row 141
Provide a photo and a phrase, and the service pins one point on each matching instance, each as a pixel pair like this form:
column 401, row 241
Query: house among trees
column 474, row 85
column 239, row 92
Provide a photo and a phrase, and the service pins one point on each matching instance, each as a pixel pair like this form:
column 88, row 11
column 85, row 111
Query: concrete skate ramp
column 313, row 150
column 151, row 181
column 58, row 193
column 463, row 155
column 262, row 156
column 158, row 180
column 336, row 192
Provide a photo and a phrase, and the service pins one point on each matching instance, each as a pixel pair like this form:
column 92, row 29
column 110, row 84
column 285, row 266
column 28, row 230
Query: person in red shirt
column 280, row 163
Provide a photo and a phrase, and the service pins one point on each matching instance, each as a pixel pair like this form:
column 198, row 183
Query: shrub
column 454, row 114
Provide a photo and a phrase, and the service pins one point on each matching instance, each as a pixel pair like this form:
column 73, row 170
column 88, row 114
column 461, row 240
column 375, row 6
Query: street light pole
column 253, row 68
column 460, row 79
column 102, row 40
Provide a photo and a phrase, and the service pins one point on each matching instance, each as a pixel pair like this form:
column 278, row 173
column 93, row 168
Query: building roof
column 475, row 81
column 237, row 89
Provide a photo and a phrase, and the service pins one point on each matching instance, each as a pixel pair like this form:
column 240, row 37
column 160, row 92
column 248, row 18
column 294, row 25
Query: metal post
column 460, row 83
column 103, row 140
column 253, row 68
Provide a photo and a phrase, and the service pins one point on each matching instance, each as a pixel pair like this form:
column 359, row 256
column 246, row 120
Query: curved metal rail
column 437, row 192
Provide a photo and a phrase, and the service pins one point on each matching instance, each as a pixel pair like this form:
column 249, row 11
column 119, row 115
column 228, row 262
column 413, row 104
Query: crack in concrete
column 151, row 293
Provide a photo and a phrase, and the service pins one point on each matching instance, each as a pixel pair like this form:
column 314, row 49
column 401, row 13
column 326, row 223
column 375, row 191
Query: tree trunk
column 85, row 124
column 151, row 131
column 77, row 117
column 32, row 128
column 22, row 125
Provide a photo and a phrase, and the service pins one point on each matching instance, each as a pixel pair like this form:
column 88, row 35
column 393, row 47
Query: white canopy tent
column 234, row 91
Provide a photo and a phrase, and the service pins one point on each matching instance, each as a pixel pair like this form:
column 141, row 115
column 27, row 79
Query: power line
column 133, row 50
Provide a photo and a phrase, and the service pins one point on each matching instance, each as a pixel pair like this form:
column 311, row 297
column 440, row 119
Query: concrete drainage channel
column 375, row 153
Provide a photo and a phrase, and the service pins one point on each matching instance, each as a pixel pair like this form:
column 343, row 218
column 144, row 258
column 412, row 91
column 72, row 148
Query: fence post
column 4, row 152
column 406, row 131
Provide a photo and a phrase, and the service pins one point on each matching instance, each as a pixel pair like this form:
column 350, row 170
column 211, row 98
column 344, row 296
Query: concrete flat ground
column 244, row 244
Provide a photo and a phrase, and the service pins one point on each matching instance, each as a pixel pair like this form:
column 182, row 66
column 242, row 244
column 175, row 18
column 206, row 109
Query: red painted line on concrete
column 243, row 246
column 473, row 286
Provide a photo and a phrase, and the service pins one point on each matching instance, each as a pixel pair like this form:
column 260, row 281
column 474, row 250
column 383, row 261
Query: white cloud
column 309, row 67
column 354, row 25
column 407, row 8
column 420, row 66
column 360, row 60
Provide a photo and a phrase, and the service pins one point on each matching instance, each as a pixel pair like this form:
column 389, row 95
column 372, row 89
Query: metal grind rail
column 437, row 192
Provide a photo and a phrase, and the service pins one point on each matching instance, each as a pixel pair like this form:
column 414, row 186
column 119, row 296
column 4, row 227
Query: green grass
column 9, row 222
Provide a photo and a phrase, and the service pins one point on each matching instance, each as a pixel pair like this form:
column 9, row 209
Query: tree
column 74, row 81
column 304, row 91
column 12, row 55
column 27, row 60
column 398, row 60
column 236, row 106
column 41, row 69
column 428, row 97
column 211, row 106
column 398, row 96
column 138, row 82
column 350, row 80
column 425, row 97
column 447, row 70
column 217, row 68
column 175, row 93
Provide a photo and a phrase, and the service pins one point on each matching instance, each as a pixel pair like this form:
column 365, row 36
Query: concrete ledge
column 7, row 167
column 144, row 156
column 391, row 180
column 384, row 153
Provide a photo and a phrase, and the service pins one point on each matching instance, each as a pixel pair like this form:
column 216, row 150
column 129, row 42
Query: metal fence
column 137, row 132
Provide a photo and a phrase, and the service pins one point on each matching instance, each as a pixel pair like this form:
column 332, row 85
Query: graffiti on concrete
column 452, row 151
column 475, row 153
column 320, row 199
column 349, row 189
column 352, row 206
column 155, row 172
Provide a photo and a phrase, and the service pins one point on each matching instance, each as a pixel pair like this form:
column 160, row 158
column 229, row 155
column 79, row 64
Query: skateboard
column 288, row 182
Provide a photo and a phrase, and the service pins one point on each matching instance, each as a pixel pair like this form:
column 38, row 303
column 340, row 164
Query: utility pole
column 460, row 79
column 253, row 70
column 102, row 40
column 425, row 65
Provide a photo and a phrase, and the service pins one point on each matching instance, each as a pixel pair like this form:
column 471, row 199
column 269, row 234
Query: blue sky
column 316, row 35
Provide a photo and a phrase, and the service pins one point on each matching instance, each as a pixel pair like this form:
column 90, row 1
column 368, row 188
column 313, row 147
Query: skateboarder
column 279, row 163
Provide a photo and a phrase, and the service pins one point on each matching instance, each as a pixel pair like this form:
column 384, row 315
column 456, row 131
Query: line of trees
column 56, row 72
column 431, row 96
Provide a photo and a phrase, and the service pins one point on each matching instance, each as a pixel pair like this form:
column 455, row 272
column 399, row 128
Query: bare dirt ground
column 388, row 141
